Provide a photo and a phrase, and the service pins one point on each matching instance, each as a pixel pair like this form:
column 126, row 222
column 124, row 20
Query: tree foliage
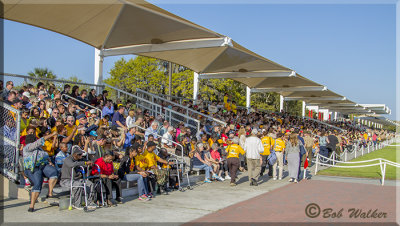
column 41, row 73
column 152, row 75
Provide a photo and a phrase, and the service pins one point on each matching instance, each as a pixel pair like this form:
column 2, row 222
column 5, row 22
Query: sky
column 350, row 48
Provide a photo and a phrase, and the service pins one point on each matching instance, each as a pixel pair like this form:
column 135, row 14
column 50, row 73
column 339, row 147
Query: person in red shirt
column 109, row 178
column 217, row 161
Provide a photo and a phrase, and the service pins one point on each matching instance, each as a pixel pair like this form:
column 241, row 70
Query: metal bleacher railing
column 186, row 111
column 9, row 130
column 172, row 116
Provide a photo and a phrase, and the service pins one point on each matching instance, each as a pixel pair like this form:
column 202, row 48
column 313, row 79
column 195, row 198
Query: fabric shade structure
column 105, row 23
column 282, row 85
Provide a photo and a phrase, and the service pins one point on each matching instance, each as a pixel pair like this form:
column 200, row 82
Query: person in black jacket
column 127, row 171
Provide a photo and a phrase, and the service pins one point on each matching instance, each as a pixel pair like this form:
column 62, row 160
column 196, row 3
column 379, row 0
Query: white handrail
column 183, row 107
column 382, row 163
column 98, row 109
column 164, row 139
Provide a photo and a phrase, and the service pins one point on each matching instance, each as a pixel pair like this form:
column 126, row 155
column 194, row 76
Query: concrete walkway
column 175, row 207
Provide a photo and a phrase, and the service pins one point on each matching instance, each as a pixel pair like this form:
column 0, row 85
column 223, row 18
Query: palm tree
column 39, row 73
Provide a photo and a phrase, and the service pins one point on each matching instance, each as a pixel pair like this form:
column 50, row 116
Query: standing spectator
column 92, row 95
column 233, row 152
column 323, row 142
column 293, row 156
column 268, row 143
column 253, row 147
column 333, row 142
column 308, row 144
column 83, row 98
column 279, row 151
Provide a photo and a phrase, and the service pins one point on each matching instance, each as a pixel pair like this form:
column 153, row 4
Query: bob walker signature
column 313, row 210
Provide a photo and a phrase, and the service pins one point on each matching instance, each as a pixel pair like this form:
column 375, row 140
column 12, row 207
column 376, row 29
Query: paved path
column 288, row 204
column 175, row 207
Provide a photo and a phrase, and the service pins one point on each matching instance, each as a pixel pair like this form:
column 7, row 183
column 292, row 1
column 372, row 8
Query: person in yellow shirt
column 141, row 162
column 234, row 107
column 228, row 105
column 226, row 98
column 152, row 157
column 50, row 145
column 70, row 125
column 279, row 148
column 233, row 161
column 268, row 143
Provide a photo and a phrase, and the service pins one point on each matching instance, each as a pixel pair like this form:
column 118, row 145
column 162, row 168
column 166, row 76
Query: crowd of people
column 65, row 138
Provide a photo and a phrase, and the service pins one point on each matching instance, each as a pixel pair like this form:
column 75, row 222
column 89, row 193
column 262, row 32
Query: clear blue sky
column 349, row 48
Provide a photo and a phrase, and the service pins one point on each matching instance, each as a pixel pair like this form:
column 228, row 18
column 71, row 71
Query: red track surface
column 288, row 204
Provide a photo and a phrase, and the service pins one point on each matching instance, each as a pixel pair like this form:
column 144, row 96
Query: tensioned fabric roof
column 105, row 23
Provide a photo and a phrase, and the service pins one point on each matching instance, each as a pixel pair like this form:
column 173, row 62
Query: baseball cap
column 42, row 93
column 93, row 133
column 27, row 94
column 76, row 150
column 93, row 111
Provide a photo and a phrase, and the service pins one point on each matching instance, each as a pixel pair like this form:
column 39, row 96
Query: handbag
column 272, row 156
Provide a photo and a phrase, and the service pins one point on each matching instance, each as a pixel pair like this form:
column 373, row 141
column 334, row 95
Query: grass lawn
column 388, row 153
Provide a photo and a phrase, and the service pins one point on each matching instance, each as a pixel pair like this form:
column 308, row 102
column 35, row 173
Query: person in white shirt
column 253, row 148
column 167, row 139
column 130, row 120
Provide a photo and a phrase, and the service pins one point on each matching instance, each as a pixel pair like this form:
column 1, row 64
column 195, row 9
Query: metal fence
column 23, row 80
column 10, row 119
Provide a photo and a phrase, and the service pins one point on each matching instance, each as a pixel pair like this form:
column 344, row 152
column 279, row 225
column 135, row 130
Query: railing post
column 345, row 155
column 355, row 152
column 362, row 151
column 316, row 164
column 384, row 173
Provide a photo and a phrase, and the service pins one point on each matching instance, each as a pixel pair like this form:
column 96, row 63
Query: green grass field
column 388, row 153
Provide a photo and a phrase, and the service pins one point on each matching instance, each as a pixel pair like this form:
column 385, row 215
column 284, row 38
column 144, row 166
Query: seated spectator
column 130, row 135
column 109, row 178
column 128, row 172
column 61, row 155
column 130, row 120
column 167, row 139
column 151, row 130
column 37, row 166
column 200, row 162
column 118, row 119
column 74, row 161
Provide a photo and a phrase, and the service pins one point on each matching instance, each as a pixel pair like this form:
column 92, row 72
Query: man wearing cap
column 253, row 148
column 73, row 161
column 25, row 99
column 42, row 95
column 83, row 121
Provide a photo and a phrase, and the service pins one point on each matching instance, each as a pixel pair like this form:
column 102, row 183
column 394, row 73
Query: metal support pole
column 98, row 69
column 195, row 85
column 281, row 101
column 248, row 98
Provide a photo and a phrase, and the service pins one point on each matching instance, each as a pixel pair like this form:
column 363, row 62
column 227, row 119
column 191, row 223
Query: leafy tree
column 41, row 73
column 152, row 75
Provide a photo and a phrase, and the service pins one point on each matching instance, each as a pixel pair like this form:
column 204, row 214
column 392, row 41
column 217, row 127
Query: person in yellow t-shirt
column 279, row 148
column 234, row 107
column 268, row 143
column 50, row 145
column 365, row 135
column 226, row 98
column 141, row 162
column 228, row 105
column 233, row 161
column 70, row 125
